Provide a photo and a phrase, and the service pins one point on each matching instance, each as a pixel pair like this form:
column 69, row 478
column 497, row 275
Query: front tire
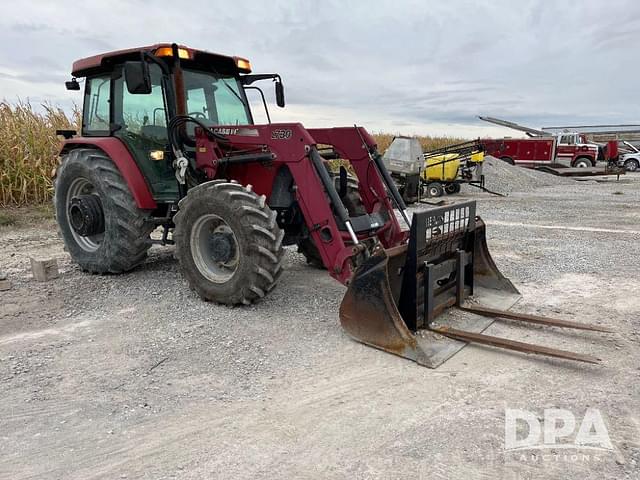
column 121, row 240
column 631, row 165
column 583, row 163
column 228, row 243
column 435, row 190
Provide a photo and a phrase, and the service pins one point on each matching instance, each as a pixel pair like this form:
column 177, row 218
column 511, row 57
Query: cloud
column 400, row 64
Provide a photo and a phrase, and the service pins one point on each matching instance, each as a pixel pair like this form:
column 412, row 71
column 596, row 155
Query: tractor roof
column 99, row 63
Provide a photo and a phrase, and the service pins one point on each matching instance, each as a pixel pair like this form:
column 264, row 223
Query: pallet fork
column 395, row 297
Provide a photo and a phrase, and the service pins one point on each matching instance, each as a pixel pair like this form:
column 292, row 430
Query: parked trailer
column 433, row 173
column 609, row 153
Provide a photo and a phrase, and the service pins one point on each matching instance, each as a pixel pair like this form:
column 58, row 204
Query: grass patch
column 44, row 211
column 27, row 216
column 7, row 219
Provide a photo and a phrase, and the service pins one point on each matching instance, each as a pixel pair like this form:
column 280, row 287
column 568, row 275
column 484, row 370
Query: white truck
column 630, row 161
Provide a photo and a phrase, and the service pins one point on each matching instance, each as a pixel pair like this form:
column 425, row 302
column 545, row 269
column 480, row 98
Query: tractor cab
column 131, row 94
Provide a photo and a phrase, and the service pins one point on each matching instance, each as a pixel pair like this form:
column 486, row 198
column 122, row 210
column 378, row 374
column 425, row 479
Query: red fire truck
column 567, row 149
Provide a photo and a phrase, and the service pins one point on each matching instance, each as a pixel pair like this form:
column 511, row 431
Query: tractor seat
column 157, row 132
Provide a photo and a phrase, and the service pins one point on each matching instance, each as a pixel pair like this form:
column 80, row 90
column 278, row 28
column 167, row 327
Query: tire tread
column 128, row 246
column 262, row 235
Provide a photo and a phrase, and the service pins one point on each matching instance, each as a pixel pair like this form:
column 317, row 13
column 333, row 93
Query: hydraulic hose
column 330, row 188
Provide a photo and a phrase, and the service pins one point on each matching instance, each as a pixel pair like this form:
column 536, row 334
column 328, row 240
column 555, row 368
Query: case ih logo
column 225, row 131
column 243, row 132
column 281, row 134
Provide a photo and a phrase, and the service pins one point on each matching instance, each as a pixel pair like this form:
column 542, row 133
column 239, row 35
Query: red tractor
column 168, row 140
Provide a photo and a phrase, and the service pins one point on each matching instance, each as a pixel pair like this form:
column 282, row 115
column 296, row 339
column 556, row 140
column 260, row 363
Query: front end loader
column 168, row 140
column 394, row 300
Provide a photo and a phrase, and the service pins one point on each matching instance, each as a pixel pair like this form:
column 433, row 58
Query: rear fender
column 123, row 159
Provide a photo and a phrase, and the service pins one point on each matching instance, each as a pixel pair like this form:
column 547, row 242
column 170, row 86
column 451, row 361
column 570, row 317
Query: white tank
column 404, row 155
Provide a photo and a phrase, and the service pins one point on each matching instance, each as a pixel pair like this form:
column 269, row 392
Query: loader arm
column 343, row 242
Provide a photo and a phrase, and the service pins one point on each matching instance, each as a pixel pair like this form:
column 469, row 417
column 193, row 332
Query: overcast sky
column 412, row 67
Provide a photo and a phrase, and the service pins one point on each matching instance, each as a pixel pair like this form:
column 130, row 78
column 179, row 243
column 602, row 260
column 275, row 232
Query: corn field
column 428, row 143
column 29, row 148
column 28, row 151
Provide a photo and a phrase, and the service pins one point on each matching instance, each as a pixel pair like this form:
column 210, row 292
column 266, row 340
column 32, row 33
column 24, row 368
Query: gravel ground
column 504, row 178
column 133, row 376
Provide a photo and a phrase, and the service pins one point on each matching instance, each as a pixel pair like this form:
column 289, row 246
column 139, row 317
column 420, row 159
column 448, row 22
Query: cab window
column 143, row 115
column 97, row 95
column 567, row 140
column 215, row 99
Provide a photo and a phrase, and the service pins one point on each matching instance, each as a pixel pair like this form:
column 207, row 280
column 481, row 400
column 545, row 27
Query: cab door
column 566, row 149
column 142, row 121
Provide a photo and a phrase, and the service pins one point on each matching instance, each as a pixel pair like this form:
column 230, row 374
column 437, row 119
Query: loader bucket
column 395, row 296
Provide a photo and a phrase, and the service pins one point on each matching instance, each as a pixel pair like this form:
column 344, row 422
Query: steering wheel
column 198, row 115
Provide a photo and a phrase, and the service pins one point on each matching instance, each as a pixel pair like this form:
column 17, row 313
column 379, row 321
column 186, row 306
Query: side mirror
column 279, row 94
column 137, row 77
column 72, row 84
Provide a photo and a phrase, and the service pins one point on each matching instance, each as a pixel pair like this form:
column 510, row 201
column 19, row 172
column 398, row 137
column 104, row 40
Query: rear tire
column 508, row 160
column 307, row 247
column 124, row 243
column 254, row 246
column 452, row 188
column 352, row 201
column 631, row 165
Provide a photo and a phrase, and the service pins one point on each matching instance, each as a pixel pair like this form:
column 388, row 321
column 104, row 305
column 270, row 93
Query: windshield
column 215, row 99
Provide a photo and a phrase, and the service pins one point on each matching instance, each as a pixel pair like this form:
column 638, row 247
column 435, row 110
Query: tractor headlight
column 156, row 155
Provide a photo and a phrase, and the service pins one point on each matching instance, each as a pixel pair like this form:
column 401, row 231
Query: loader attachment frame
column 396, row 295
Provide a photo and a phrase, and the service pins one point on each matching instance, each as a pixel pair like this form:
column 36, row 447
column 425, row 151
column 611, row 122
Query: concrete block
column 44, row 269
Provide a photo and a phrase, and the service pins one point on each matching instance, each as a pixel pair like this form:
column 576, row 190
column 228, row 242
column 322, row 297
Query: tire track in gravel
column 300, row 420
